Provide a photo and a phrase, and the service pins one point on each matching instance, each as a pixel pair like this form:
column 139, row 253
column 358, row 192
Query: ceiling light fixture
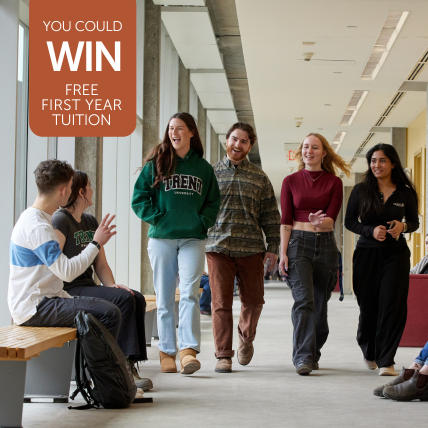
column 308, row 43
column 389, row 32
column 337, row 141
column 354, row 105
column 327, row 105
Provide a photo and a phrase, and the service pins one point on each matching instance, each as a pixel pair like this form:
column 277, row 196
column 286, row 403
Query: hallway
column 268, row 393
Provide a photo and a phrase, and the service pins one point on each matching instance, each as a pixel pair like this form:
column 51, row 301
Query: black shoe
column 303, row 369
column 415, row 388
column 208, row 313
column 315, row 366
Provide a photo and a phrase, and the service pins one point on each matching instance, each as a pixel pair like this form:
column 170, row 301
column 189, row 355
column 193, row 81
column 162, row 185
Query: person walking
column 75, row 229
column 178, row 195
column 380, row 209
column 235, row 246
column 310, row 202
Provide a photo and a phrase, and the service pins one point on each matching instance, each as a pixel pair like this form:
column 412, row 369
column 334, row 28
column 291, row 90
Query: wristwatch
column 405, row 228
column 96, row 244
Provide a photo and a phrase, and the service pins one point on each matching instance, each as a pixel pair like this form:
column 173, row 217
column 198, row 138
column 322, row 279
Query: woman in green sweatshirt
column 178, row 195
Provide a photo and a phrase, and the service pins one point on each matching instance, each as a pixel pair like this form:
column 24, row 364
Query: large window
column 21, row 123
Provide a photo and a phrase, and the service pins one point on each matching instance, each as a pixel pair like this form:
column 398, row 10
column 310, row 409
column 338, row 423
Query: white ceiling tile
column 222, row 116
column 216, row 100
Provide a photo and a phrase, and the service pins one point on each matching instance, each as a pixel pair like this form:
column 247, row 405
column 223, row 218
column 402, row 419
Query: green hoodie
column 185, row 205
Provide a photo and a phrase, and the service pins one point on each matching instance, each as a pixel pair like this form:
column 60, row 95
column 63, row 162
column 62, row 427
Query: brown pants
column 222, row 270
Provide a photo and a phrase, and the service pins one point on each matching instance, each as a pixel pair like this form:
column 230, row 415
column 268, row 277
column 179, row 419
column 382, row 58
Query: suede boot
column 245, row 352
column 189, row 363
column 224, row 365
column 167, row 363
column 405, row 374
column 413, row 389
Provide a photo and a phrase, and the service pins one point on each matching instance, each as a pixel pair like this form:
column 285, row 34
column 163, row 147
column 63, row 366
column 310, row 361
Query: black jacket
column 402, row 203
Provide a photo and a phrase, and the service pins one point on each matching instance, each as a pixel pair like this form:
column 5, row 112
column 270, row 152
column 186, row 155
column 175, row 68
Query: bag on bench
column 98, row 353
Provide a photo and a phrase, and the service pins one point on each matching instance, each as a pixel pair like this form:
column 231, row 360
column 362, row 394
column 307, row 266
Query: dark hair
column 164, row 156
column 244, row 127
column 370, row 204
column 51, row 174
column 80, row 181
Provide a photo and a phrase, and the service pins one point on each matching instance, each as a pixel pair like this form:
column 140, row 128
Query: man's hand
column 124, row 287
column 380, row 233
column 273, row 259
column 105, row 231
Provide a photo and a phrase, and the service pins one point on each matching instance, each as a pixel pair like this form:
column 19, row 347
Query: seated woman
column 412, row 384
column 422, row 266
column 75, row 230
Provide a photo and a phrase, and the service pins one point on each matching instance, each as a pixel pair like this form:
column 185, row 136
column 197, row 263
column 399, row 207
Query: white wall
column 9, row 12
column 121, row 158
column 66, row 149
column 208, row 141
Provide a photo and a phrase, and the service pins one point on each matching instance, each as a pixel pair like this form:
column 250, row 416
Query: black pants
column 132, row 335
column 313, row 260
column 60, row 312
column 381, row 284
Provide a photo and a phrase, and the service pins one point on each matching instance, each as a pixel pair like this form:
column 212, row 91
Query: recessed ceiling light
column 298, row 118
column 354, row 105
column 320, row 129
column 327, row 105
column 308, row 43
column 337, row 141
column 351, row 26
column 389, row 32
column 337, row 72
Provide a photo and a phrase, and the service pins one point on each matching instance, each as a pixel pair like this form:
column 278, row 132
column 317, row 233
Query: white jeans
column 168, row 258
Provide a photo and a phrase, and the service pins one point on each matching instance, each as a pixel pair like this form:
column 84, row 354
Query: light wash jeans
column 422, row 358
column 168, row 257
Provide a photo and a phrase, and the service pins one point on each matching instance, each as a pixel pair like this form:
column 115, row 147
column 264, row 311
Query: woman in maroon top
column 310, row 202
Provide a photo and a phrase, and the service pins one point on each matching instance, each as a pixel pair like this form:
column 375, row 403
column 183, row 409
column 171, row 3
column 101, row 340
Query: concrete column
column 399, row 142
column 222, row 152
column 348, row 247
column 151, row 106
column 214, row 147
column 183, row 87
column 88, row 157
column 202, row 124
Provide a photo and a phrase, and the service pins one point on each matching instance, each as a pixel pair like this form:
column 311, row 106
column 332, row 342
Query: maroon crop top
column 301, row 196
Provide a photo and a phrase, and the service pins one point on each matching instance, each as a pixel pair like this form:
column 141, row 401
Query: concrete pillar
column 151, row 106
column 88, row 157
column 348, row 247
column 202, row 125
column 399, row 142
column 183, row 87
column 214, row 147
column 222, row 151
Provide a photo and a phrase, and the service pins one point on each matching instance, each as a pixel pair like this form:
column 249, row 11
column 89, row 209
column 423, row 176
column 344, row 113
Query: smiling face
column 312, row 152
column 381, row 165
column 180, row 136
column 238, row 146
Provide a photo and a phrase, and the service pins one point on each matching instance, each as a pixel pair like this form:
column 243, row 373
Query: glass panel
column 21, row 123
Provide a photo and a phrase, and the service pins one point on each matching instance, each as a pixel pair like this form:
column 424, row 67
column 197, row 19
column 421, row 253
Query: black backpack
column 98, row 353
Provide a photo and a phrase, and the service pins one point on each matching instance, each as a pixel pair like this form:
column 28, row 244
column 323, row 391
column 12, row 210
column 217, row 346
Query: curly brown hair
column 244, row 127
column 332, row 162
column 51, row 174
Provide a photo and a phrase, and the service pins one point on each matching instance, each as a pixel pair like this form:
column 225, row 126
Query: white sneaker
column 387, row 371
column 371, row 365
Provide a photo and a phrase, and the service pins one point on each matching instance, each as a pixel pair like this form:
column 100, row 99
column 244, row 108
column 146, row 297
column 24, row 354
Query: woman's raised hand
column 317, row 218
column 105, row 231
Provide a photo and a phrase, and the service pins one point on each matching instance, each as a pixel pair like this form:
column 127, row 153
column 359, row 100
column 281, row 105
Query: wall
column 416, row 143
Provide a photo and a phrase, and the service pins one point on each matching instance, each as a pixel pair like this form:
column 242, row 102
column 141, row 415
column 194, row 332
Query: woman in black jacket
column 380, row 209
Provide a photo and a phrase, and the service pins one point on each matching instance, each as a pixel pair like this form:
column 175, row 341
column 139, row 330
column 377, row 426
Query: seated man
column 205, row 300
column 422, row 266
column 38, row 267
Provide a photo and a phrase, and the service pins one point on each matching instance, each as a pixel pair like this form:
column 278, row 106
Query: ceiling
column 283, row 86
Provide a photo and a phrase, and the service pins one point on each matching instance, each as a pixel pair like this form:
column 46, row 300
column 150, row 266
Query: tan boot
column 224, row 365
column 189, row 363
column 167, row 363
column 245, row 352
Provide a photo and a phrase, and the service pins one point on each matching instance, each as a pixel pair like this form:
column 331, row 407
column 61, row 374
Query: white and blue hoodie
column 37, row 265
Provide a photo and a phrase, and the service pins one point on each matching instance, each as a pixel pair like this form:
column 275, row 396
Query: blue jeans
column 205, row 301
column 422, row 358
column 167, row 258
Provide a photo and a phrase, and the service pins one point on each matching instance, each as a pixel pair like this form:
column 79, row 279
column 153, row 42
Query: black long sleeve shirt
column 402, row 203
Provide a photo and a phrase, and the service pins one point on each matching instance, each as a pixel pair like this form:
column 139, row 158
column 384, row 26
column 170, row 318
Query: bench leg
column 48, row 376
column 148, row 324
column 12, row 385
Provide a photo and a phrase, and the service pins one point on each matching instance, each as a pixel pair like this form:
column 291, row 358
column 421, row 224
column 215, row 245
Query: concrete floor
column 267, row 393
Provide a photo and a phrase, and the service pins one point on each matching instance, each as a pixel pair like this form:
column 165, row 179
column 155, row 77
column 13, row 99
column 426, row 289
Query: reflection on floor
column 267, row 393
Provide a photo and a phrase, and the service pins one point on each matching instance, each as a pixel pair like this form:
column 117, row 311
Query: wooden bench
column 18, row 345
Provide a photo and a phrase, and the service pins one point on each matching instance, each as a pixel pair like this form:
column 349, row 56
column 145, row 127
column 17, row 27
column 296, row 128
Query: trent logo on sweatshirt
column 184, row 182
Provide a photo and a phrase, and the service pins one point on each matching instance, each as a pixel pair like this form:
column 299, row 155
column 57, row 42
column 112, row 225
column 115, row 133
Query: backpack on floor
column 98, row 353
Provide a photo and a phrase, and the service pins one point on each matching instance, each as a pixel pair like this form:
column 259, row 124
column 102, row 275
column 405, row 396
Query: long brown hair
column 163, row 155
column 332, row 162
column 80, row 181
